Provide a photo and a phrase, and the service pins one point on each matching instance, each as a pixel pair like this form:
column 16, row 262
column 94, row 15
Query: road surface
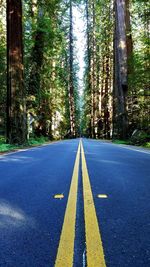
column 75, row 203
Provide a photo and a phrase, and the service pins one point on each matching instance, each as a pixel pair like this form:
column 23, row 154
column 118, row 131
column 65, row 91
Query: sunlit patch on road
column 11, row 216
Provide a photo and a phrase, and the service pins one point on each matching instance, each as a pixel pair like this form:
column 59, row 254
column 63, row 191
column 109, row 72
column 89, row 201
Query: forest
column 41, row 94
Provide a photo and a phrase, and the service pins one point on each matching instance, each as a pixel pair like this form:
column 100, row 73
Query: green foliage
column 6, row 147
column 121, row 142
column 34, row 141
column 2, row 139
column 37, row 140
column 139, row 78
column 98, row 76
column 147, row 145
column 46, row 67
column 46, row 62
column 140, row 138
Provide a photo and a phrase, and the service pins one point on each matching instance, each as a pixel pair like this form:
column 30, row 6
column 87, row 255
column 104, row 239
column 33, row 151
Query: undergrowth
column 34, row 141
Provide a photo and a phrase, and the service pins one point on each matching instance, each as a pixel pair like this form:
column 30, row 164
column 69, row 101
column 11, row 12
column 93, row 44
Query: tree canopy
column 40, row 88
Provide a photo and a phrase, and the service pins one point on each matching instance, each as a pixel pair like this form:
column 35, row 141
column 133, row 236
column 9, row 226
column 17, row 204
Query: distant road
column 75, row 203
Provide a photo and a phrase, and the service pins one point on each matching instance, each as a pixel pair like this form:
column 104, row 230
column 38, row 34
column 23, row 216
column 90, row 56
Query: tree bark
column 89, row 74
column 16, row 107
column 71, row 78
column 121, row 52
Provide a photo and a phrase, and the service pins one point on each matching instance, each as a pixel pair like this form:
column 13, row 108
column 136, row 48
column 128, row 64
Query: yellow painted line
column 65, row 251
column 94, row 247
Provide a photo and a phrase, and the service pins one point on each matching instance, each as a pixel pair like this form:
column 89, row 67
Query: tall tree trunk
column 132, row 98
column 88, row 75
column 94, row 89
column 37, row 57
column 71, row 78
column 129, row 41
column 106, row 97
column 99, row 96
column 16, row 108
column 120, row 69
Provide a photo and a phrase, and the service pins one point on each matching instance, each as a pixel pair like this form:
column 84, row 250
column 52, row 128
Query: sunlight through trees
column 40, row 69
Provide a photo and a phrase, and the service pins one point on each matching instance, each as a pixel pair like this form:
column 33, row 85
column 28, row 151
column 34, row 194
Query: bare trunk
column 106, row 102
column 89, row 67
column 93, row 73
column 120, row 70
column 71, row 83
column 16, row 109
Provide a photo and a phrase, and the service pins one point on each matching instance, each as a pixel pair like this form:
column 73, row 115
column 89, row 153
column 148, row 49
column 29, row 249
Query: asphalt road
column 103, row 219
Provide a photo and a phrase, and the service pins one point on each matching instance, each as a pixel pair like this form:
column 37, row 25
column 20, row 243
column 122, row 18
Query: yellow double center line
column 94, row 248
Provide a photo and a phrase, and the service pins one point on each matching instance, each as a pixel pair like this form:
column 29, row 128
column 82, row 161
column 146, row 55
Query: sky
column 80, row 43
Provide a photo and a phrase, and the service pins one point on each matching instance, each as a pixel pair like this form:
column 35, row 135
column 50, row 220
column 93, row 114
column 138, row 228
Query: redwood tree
column 71, row 75
column 16, row 109
column 122, row 54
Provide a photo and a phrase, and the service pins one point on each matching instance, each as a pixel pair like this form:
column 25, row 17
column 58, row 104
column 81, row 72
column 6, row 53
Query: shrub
column 139, row 137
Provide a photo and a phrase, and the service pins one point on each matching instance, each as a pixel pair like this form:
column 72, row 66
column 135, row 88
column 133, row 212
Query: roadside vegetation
column 42, row 97
column 138, row 139
column 37, row 141
column 33, row 141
